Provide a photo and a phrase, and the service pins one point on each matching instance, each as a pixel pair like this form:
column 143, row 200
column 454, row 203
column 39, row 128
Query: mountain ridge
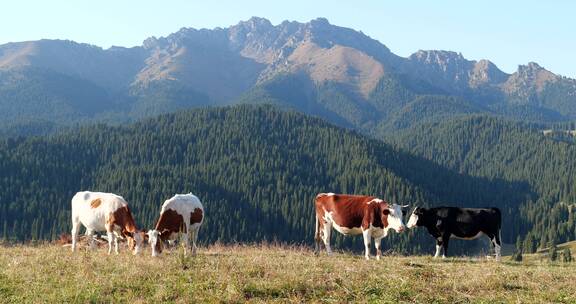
column 199, row 67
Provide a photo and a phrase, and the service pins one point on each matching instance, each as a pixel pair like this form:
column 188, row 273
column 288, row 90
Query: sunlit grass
column 50, row 273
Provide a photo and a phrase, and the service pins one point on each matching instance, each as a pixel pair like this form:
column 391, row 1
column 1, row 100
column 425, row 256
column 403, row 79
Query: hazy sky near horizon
column 508, row 33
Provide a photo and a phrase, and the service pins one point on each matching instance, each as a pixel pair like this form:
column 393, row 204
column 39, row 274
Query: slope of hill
column 192, row 68
column 257, row 169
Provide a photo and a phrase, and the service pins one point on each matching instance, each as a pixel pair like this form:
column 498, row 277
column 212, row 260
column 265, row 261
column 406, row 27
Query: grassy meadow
column 235, row 274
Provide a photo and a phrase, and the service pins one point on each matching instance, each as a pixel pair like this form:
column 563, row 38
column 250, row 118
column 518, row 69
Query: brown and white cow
column 182, row 214
column 353, row 215
column 108, row 212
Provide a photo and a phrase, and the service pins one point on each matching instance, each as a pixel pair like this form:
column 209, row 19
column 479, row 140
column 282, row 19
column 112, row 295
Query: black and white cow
column 462, row 223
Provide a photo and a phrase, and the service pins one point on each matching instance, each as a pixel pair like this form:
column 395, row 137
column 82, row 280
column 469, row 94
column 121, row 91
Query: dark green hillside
column 164, row 97
column 34, row 95
column 429, row 108
column 494, row 148
column 257, row 170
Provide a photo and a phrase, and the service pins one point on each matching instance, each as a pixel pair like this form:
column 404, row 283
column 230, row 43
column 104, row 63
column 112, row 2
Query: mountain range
column 318, row 68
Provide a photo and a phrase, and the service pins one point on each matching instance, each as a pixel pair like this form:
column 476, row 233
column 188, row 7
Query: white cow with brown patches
column 108, row 212
column 182, row 214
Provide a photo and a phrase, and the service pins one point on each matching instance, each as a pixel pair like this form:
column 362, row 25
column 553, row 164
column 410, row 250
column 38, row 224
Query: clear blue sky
column 508, row 32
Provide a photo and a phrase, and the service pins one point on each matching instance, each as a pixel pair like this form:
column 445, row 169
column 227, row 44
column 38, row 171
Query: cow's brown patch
column 95, row 203
column 352, row 211
column 122, row 217
column 170, row 222
column 196, row 216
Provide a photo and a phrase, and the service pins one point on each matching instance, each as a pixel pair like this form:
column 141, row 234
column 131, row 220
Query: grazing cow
column 355, row 214
column 183, row 214
column 108, row 212
column 462, row 223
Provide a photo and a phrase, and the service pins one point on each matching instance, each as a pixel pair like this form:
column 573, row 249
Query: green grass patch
column 258, row 274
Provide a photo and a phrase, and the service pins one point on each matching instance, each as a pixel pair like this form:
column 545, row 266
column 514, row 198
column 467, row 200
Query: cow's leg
column 116, row 243
column 378, row 244
column 445, row 241
column 111, row 239
column 367, row 234
column 326, row 234
column 496, row 242
column 75, row 231
column 194, row 239
column 438, row 246
column 317, row 235
column 184, row 240
column 91, row 241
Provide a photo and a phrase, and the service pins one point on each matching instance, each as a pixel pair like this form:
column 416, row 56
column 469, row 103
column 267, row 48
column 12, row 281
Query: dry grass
column 51, row 273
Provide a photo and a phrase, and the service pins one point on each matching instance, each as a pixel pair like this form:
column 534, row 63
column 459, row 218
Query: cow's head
column 135, row 240
column 417, row 217
column 392, row 214
column 155, row 242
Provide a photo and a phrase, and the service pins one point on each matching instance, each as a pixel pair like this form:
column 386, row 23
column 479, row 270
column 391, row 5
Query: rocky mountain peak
column 440, row 58
column 320, row 22
column 256, row 23
column 531, row 69
column 530, row 76
column 449, row 70
column 486, row 72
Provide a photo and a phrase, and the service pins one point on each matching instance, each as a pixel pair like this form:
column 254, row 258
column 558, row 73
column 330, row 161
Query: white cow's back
column 95, row 218
column 184, row 204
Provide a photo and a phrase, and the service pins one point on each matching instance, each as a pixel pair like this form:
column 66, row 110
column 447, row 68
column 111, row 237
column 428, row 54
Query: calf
column 462, row 223
column 183, row 214
column 353, row 215
column 108, row 212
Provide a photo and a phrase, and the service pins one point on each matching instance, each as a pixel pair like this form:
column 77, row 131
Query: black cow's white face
column 413, row 220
